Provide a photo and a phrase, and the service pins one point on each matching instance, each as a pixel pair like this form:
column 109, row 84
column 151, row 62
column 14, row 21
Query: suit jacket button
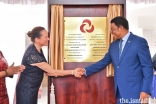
column 117, row 66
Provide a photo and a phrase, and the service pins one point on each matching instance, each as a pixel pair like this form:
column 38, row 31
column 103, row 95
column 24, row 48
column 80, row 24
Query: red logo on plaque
column 83, row 29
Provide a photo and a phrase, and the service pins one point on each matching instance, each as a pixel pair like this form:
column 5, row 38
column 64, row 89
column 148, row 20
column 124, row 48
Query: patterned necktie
column 120, row 47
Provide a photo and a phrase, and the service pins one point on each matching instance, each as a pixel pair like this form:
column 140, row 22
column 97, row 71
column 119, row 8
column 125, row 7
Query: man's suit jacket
column 133, row 72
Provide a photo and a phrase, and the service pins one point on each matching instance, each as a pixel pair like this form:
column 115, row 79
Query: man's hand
column 144, row 97
column 78, row 72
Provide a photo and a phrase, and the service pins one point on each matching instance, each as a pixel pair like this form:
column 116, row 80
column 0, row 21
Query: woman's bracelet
column 72, row 72
column 6, row 73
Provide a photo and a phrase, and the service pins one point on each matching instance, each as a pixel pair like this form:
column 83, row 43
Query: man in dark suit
column 132, row 63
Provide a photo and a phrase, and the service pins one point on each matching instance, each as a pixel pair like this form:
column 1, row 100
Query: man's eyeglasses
column 114, row 29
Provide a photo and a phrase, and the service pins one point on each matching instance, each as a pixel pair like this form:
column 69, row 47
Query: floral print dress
column 3, row 90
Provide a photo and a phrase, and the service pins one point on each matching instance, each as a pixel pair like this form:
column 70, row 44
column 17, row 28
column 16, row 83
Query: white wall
column 15, row 21
column 133, row 19
column 142, row 20
column 150, row 36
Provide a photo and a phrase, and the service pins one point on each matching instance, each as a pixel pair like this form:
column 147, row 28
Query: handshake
column 78, row 72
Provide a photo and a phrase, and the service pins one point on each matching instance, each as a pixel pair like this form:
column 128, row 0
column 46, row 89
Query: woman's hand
column 21, row 68
column 14, row 69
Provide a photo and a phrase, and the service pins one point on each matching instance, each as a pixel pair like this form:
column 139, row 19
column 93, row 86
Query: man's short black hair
column 120, row 21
